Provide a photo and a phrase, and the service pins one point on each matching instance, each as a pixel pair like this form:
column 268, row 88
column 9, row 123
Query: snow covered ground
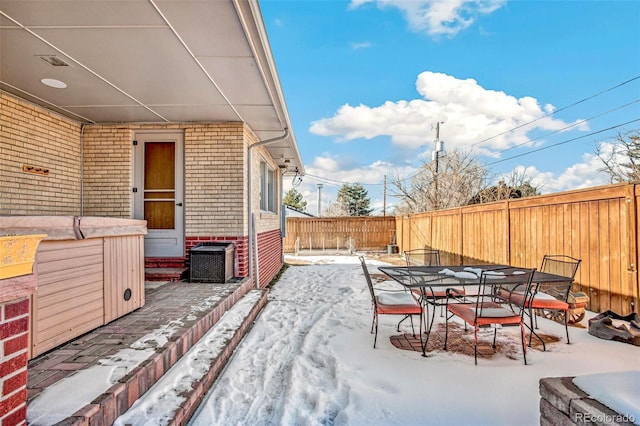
column 309, row 360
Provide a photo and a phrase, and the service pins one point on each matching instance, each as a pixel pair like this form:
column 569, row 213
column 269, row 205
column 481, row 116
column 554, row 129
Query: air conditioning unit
column 211, row 262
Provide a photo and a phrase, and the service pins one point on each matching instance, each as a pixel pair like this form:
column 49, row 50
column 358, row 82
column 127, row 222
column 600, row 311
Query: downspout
column 253, row 257
column 82, row 169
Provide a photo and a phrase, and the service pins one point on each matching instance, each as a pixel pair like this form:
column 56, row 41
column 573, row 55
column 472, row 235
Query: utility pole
column 435, row 156
column 319, row 199
column 384, row 197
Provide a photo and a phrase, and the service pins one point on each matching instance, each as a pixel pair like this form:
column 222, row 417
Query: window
column 268, row 187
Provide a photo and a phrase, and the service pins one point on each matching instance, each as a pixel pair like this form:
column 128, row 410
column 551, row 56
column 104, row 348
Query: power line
column 563, row 142
column 340, row 182
column 555, row 111
column 577, row 123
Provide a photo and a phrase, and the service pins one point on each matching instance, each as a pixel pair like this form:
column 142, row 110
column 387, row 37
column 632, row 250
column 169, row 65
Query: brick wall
column 269, row 255
column 265, row 220
column 14, row 340
column 241, row 261
column 33, row 136
column 108, row 171
column 214, row 181
column 215, row 176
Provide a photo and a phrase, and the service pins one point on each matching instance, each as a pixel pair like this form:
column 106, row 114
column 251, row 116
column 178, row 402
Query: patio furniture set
column 482, row 296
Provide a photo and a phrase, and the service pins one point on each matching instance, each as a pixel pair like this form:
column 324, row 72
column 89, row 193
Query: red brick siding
column 241, row 249
column 14, row 340
column 269, row 255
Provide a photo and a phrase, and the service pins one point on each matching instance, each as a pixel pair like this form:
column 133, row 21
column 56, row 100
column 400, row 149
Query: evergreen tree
column 294, row 200
column 354, row 200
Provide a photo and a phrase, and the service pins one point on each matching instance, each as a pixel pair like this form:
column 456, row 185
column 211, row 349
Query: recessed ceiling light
column 52, row 82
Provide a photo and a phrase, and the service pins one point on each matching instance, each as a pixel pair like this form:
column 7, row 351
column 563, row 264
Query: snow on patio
column 309, row 360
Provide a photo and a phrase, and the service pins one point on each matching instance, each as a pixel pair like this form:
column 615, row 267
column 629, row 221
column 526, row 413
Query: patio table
column 426, row 278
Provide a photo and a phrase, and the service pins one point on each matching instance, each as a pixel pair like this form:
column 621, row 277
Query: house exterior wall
column 33, row 136
column 14, row 341
column 215, row 203
column 216, row 175
column 265, row 220
column 267, row 223
column 108, row 171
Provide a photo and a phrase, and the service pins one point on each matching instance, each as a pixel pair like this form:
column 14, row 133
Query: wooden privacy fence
column 597, row 225
column 339, row 233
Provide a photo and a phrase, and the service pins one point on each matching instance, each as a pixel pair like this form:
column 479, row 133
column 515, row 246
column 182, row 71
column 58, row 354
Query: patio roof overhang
column 147, row 61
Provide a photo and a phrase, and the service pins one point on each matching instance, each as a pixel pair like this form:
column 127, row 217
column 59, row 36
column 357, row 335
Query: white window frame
column 268, row 188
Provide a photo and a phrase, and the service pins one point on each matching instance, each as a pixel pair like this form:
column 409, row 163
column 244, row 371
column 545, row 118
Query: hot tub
column 90, row 271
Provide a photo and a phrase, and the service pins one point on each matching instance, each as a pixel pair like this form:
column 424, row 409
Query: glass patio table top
column 451, row 276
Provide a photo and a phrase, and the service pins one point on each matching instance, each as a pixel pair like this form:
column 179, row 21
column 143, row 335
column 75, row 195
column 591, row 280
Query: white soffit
column 145, row 61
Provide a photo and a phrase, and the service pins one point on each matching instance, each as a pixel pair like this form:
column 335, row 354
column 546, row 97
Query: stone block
column 559, row 391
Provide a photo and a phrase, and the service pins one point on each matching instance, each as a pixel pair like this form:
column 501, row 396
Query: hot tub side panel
column 84, row 284
column 123, row 275
column 69, row 300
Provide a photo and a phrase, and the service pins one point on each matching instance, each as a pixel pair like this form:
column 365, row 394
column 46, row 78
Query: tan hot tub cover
column 71, row 227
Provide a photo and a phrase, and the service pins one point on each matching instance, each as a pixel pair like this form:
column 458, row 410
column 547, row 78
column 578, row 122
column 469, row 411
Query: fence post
column 630, row 200
column 507, row 243
column 632, row 245
column 461, row 236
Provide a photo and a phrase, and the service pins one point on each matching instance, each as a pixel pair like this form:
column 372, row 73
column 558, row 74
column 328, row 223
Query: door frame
column 151, row 249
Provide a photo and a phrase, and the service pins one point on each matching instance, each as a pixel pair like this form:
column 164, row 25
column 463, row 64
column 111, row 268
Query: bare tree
column 336, row 209
column 460, row 176
column 522, row 180
column 516, row 184
column 621, row 157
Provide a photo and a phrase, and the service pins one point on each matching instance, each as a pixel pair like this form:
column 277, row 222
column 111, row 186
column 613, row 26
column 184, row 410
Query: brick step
column 176, row 352
column 165, row 274
column 164, row 262
column 192, row 398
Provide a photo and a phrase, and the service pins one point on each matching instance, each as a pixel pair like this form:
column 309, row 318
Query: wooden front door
column 159, row 191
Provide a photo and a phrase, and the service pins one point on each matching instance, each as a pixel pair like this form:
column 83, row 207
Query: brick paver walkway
column 189, row 309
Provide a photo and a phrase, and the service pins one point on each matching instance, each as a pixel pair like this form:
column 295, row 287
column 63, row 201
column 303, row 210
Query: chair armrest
column 457, row 296
column 455, row 292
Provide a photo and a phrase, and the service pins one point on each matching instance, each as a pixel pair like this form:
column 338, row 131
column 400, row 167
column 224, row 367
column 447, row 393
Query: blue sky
column 366, row 81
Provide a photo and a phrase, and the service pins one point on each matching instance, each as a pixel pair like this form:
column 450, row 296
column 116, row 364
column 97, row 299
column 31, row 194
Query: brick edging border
column 187, row 408
column 106, row 408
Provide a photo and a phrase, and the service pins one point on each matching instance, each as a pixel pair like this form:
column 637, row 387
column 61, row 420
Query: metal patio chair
column 389, row 302
column 429, row 257
column 487, row 308
column 551, row 299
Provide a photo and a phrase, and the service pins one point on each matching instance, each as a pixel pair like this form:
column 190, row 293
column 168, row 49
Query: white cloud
column 585, row 174
column 334, row 172
column 472, row 114
column 438, row 17
column 361, row 45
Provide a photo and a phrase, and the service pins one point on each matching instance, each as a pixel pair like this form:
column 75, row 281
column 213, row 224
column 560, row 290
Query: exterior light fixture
column 52, row 82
